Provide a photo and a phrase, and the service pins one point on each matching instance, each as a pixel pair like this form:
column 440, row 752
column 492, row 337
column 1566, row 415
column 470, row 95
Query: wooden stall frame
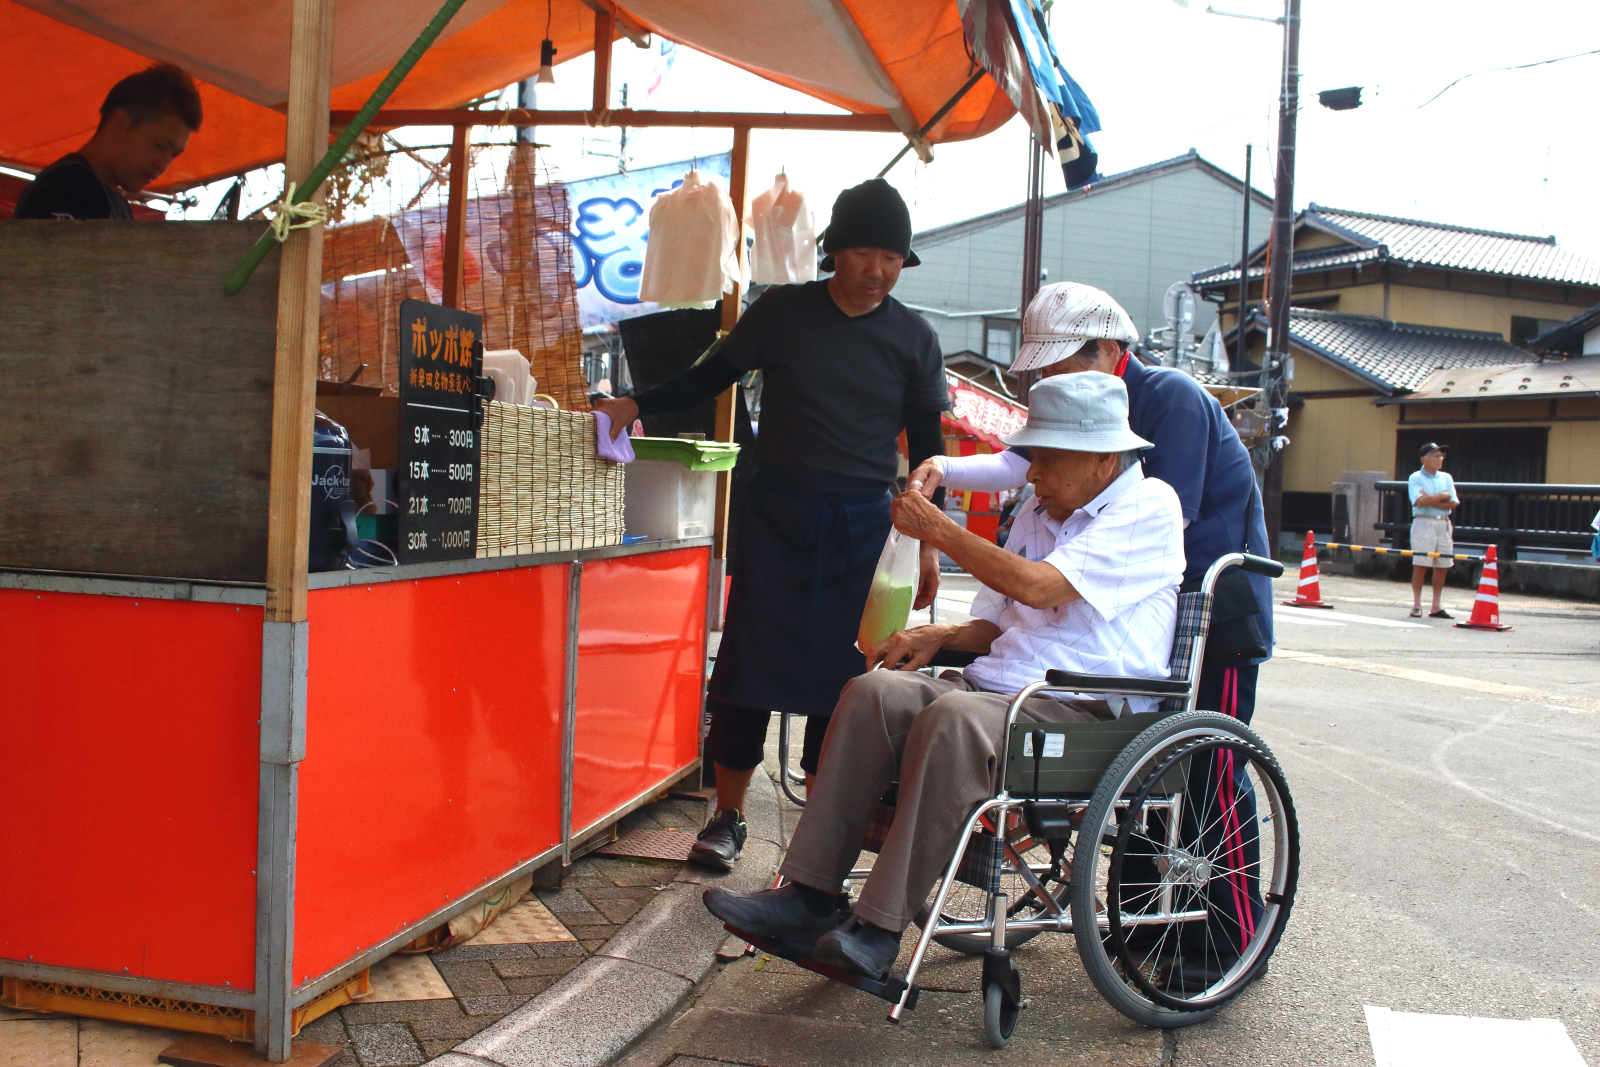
column 285, row 628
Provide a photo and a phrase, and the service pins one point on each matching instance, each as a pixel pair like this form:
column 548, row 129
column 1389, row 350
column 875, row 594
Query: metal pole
column 1033, row 224
column 1279, row 279
column 528, row 100
column 1244, row 263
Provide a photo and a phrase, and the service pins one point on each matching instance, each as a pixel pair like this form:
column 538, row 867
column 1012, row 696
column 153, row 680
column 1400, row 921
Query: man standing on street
column 846, row 367
column 1433, row 498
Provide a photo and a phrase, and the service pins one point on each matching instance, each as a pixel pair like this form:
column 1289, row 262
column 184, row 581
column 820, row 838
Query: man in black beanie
column 846, row 367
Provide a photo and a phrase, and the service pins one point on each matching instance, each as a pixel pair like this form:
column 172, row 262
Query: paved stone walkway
column 488, row 981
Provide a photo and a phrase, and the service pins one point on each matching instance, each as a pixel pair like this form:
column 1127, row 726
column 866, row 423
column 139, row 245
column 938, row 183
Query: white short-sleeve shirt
column 1123, row 553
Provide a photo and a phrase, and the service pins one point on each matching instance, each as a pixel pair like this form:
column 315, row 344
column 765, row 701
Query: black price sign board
column 441, row 358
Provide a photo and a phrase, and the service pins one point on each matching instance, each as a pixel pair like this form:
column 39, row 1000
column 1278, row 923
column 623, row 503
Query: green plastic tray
column 696, row 455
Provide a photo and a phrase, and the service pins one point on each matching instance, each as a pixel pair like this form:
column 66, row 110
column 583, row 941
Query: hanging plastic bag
column 785, row 251
column 894, row 587
column 692, row 255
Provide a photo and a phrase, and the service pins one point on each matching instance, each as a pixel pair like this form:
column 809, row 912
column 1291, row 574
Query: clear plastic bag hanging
column 691, row 257
column 785, row 251
column 894, row 587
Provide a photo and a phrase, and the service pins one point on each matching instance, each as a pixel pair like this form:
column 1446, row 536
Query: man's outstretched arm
column 1038, row 585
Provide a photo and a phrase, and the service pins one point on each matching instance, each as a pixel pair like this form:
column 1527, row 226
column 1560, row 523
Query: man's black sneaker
column 720, row 843
column 859, row 946
column 778, row 915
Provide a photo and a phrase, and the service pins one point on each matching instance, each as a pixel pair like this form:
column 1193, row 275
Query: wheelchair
column 1165, row 843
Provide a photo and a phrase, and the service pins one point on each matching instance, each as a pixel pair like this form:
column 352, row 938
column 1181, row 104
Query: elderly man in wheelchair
column 1047, row 733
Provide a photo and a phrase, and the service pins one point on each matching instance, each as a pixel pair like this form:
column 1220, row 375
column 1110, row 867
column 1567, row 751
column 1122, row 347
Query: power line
column 1492, row 70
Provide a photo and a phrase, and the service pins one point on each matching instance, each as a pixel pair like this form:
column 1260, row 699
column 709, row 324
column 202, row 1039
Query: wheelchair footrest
column 889, row 989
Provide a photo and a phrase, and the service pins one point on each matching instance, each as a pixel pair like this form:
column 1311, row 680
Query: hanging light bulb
column 547, row 60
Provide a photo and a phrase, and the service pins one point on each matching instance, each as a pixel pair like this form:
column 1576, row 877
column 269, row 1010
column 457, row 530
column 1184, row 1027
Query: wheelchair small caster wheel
column 999, row 1016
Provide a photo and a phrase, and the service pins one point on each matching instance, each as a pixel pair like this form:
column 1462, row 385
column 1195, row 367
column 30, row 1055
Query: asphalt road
column 1448, row 788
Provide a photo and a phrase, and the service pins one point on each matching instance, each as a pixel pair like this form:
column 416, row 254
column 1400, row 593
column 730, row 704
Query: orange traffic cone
column 1309, row 594
column 1486, row 608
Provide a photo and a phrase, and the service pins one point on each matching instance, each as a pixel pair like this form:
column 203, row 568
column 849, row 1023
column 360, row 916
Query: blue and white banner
column 610, row 226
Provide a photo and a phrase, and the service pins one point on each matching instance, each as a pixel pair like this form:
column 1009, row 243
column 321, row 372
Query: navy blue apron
column 808, row 544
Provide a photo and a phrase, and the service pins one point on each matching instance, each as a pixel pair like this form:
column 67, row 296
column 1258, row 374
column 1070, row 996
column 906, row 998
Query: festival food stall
column 237, row 782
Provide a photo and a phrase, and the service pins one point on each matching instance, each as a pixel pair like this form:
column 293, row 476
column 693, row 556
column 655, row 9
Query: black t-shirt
column 70, row 189
column 837, row 388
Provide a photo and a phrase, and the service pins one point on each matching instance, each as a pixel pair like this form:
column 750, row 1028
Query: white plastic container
column 665, row 500
column 513, row 376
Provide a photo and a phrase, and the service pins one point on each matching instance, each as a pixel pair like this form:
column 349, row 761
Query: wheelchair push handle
column 1261, row 565
column 1254, row 564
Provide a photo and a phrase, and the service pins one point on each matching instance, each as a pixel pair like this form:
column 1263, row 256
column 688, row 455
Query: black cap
column 869, row 215
column 1431, row 446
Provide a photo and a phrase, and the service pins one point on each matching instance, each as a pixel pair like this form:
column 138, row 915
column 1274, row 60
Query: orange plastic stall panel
column 433, row 749
column 131, row 754
column 641, row 669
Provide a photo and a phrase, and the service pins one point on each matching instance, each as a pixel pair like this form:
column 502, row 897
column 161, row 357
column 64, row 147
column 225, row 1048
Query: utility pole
column 1274, row 385
column 1244, row 263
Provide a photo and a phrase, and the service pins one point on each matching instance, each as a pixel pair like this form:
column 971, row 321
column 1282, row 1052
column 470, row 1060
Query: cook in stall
column 846, row 367
column 145, row 123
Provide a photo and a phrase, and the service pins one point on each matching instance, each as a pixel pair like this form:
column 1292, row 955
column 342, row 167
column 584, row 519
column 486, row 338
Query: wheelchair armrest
column 1153, row 687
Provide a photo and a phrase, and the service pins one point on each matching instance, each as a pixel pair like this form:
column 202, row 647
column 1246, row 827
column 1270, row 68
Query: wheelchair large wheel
column 967, row 903
column 1184, row 899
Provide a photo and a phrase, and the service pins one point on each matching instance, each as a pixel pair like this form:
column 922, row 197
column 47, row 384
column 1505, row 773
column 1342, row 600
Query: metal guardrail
column 1508, row 515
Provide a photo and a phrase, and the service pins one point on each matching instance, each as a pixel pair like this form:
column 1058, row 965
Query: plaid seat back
column 1194, row 618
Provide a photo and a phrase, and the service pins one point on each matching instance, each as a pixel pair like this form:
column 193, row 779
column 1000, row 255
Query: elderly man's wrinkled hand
column 928, row 476
column 908, row 650
column 916, row 517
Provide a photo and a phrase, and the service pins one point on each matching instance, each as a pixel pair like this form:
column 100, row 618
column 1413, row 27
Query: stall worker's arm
column 706, row 379
column 925, row 439
column 1038, row 585
column 913, row 649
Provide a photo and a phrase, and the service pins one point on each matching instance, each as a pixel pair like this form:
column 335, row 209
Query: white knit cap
column 1063, row 318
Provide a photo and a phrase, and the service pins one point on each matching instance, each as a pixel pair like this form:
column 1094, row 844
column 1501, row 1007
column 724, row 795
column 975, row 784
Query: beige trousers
column 941, row 739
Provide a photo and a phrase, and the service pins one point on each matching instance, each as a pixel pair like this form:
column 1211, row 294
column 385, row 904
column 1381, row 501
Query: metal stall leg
column 283, row 745
column 788, row 777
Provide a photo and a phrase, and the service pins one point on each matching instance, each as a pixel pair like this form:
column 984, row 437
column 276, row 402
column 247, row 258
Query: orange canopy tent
column 885, row 57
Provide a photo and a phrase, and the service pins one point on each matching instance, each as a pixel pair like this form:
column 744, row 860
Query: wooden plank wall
column 135, row 400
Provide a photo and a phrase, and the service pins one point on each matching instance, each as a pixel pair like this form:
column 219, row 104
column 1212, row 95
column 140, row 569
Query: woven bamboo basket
column 544, row 488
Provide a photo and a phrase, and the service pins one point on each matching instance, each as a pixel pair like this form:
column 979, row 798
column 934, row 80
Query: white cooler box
column 671, row 488
column 665, row 500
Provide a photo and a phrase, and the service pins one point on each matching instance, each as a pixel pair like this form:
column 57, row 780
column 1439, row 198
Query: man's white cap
column 1063, row 318
column 1085, row 412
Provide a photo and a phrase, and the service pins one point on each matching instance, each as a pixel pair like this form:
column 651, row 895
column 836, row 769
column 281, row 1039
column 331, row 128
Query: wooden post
column 738, row 191
column 455, row 220
column 285, row 631
column 605, row 22
column 299, row 303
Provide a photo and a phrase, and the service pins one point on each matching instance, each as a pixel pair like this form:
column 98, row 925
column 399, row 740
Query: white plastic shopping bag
column 894, row 587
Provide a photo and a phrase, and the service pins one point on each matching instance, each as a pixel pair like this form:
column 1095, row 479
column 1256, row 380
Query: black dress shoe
column 720, row 843
column 778, row 915
column 861, row 947
column 1190, row 978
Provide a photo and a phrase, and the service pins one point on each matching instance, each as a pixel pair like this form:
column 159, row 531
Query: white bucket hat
column 1063, row 318
column 1085, row 412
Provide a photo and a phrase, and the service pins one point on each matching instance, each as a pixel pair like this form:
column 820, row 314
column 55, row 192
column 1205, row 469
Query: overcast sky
column 1511, row 151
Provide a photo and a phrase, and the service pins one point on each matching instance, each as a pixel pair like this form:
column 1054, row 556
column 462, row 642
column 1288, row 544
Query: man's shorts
column 1430, row 534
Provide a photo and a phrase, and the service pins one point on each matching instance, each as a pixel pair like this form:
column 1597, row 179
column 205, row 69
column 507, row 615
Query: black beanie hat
column 869, row 215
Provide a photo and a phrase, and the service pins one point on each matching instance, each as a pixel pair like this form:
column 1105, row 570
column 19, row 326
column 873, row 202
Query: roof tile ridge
column 1453, row 227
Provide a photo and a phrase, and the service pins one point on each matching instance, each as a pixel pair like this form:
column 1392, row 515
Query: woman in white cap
column 1069, row 328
